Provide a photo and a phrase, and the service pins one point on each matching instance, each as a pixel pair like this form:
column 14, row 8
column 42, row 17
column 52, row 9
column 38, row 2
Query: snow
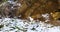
column 19, row 25
column 45, row 15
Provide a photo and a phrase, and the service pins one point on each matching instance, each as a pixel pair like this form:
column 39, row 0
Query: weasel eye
column 58, row 10
column 58, row 18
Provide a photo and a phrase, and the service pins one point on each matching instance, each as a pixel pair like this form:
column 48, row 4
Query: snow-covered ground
column 18, row 25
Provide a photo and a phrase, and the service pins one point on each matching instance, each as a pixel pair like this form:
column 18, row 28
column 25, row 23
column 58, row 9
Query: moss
column 33, row 28
column 1, row 26
column 1, row 1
